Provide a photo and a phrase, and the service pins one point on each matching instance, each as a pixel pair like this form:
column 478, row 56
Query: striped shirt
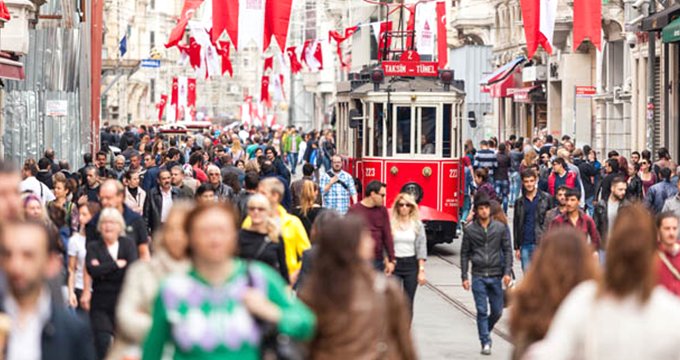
column 486, row 158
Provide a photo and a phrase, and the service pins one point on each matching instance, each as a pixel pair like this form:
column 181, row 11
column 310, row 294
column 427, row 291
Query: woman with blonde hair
column 261, row 238
column 308, row 209
column 410, row 245
column 135, row 306
column 530, row 159
column 237, row 151
column 561, row 263
column 625, row 315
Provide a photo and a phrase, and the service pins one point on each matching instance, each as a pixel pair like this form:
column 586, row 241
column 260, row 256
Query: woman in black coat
column 107, row 261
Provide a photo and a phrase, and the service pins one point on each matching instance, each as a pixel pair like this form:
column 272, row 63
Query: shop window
column 428, row 130
column 404, row 137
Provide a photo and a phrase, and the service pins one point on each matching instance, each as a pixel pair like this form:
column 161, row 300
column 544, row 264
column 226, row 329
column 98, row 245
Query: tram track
column 459, row 305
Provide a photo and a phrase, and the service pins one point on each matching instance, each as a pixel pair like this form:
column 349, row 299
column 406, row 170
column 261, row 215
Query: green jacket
column 288, row 143
column 203, row 321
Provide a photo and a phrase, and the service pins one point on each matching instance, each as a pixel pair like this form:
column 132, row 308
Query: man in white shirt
column 40, row 326
column 30, row 183
column 159, row 201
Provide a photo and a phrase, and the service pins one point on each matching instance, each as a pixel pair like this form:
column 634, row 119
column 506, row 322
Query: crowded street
column 339, row 179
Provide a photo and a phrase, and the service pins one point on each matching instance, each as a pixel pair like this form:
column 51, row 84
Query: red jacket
column 666, row 277
column 570, row 182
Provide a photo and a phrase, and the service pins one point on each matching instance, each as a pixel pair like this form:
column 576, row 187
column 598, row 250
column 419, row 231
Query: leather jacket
column 544, row 204
column 489, row 250
column 601, row 218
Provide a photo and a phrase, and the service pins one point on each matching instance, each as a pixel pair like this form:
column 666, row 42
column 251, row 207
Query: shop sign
column 56, row 108
column 151, row 63
column 585, row 91
column 410, row 65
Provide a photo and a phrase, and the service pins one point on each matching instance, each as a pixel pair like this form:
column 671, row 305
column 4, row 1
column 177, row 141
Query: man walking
column 296, row 186
column 606, row 211
column 669, row 252
column 372, row 210
column 337, row 187
column 159, row 201
column 291, row 147
column 486, row 158
column 560, row 207
column 41, row 326
column 486, row 244
column 562, row 176
column 672, row 204
column 658, row 194
column 576, row 218
column 177, row 180
column 223, row 192
column 529, row 222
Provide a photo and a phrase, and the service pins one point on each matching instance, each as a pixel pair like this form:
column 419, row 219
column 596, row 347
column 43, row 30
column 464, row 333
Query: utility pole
column 651, row 82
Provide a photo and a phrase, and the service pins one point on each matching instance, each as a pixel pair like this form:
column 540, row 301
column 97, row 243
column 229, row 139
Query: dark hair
column 635, row 153
column 614, row 164
column 548, row 138
column 483, row 143
column 501, row 148
column 231, row 179
column 618, row 180
column 30, row 165
column 330, row 288
column 172, row 152
column 101, row 153
column 196, row 158
column 374, row 187
column 663, row 216
column 563, row 262
column 272, row 149
column 564, row 188
column 204, row 188
column 665, row 174
column 87, row 158
column 44, row 163
column 527, row 173
column 612, row 154
column 646, row 154
column 561, row 162
column 482, row 173
column 307, row 169
column 663, row 153
column 481, row 199
column 252, row 180
column 572, row 192
column 267, row 168
column 128, row 174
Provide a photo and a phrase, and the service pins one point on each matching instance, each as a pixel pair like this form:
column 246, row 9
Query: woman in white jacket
column 625, row 316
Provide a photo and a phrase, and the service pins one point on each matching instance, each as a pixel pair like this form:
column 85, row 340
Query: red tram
column 406, row 133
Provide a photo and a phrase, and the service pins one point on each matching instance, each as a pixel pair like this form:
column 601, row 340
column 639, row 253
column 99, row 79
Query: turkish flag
column 191, row 93
column 442, row 45
column 384, row 41
column 339, row 39
column 269, row 64
column 4, row 12
column 194, row 52
column 539, row 24
column 174, row 95
column 588, row 22
column 295, row 65
column 224, row 52
column 264, row 91
column 410, row 26
column 312, row 55
column 277, row 18
column 188, row 11
column 161, row 106
column 225, row 17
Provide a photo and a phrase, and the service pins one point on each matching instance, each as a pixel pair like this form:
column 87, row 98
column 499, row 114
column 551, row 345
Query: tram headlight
column 414, row 190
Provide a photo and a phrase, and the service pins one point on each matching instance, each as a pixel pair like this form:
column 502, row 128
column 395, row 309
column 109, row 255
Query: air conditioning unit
column 14, row 34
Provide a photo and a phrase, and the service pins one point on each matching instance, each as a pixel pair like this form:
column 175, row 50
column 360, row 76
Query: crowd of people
column 598, row 246
column 208, row 245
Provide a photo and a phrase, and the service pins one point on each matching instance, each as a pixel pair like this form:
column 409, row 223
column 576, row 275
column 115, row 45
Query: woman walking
column 107, row 261
column 261, row 239
column 410, row 245
column 483, row 185
column 361, row 314
column 625, row 315
column 562, row 262
column 646, row 175
column 216, row 310
column 76, row 255
column 308, row 209
column 133, row 313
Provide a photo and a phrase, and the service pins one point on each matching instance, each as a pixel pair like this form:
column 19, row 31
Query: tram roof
column 401, row 84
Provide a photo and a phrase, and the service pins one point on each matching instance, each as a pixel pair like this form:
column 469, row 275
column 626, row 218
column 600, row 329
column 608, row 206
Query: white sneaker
column 486, row 349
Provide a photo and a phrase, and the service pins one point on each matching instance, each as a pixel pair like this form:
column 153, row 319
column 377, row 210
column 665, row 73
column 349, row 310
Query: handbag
column 274, row 345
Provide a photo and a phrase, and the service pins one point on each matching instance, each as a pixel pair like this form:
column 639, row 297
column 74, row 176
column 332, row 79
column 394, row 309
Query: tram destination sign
column 410, row 68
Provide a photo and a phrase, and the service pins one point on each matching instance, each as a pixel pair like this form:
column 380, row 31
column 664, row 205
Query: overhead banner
column 251, row 23
column 426, row 26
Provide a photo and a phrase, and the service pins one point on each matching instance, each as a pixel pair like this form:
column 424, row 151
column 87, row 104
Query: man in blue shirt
column 486, row 158
column 529, row 221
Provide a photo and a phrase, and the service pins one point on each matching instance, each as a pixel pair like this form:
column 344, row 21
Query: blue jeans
column 590, row 208
column 379, row 265
column 526, row 253
column 488, row 294
column 515, row 186
column 292, row 161
column 502, row 188
column 326, row 161
column 465, row 211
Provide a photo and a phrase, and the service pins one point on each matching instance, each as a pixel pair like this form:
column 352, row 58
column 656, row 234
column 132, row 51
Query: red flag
column 411, row 25
column 188, row 11
column 295, row 65
column 173, row 97
column 264, row 91
column 4, row 12
column 442, row 45
column 224, row 52
column 191, row 94
column 194, row 51
column 350, row 31
column 277, row 18
column 587, row 22
column 305, row 50
column 339, row 39
column 269, row 63
column 531, row 16
column 225, row 17
column 161, row 106
column 384, row 41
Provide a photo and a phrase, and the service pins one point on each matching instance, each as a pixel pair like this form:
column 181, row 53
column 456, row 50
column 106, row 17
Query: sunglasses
column 404, row 205
column 644, row 163
column 214, row 174
column 253, row 208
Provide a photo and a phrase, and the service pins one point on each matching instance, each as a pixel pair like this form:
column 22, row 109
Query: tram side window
column 428, row 130
column 446, row 123
column 377, row 129
column 404, row 130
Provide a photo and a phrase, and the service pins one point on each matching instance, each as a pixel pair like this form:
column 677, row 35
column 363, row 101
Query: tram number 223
column 453, row 173
column 370, row 172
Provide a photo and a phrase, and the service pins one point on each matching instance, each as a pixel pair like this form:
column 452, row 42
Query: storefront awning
column 659, row 20
column 523, row 95
column 500, row 89
column 502, row 72
column 671, row 33
column 12, row 70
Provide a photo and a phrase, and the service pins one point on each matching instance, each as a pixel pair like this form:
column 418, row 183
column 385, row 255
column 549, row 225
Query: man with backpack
column 337, row 187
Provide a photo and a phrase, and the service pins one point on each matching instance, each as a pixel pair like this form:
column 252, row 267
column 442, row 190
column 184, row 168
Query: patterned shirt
column 338, row 196
column 584, row 224
column 486, row 158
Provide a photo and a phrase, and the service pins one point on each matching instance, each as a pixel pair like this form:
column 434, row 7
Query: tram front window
column 377, row 129
column 428, row 130
column 403, row 130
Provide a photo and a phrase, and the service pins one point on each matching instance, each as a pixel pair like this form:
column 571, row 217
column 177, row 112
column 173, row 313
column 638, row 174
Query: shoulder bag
column 669, row 265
